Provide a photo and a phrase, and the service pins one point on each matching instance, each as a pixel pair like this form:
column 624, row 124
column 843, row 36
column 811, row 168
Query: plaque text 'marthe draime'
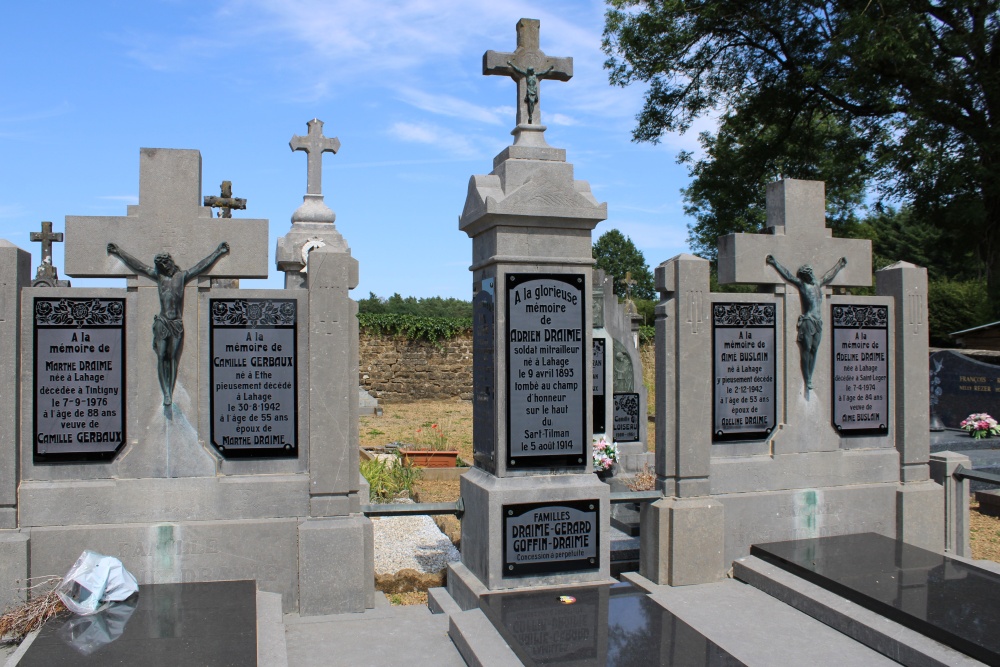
column 743, row 361
column 79, row 379
column 546, row 370
column 253, row 377
column 861, row 369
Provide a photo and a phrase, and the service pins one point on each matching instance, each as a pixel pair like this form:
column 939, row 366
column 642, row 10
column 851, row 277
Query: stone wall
column 394, row 369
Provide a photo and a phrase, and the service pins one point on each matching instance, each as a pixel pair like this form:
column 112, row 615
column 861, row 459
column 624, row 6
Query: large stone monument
column 810, row 415
column 195, row 431
column 534, row 512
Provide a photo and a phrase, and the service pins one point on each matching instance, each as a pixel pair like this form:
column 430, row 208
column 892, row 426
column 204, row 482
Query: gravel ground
column 411, row 542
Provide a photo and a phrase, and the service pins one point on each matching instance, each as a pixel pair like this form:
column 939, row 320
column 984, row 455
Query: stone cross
column 47, row 273
column 168, row 218
column 314, row 144
column 526, row 65
column 796, row 236
column 226, row 202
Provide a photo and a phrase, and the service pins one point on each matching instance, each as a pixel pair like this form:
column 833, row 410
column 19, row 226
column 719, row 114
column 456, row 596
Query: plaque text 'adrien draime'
column 546, row 374
column 253, row 377
column 861, row 369
column 743, row 360
column 79, row 379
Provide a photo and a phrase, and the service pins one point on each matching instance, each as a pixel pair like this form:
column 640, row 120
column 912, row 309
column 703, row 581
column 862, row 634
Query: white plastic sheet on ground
column 93, row 581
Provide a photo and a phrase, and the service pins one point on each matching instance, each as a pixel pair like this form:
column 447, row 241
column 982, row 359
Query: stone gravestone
column 623, row 381
column 196, row 432
column 818, row 422
column 534, row 512
column 960, row 386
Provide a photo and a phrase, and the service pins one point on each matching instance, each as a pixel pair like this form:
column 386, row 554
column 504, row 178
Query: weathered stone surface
column 263, row 550
column 393, row 368
column 13, row 568
column 335, row 575
column 15, row 274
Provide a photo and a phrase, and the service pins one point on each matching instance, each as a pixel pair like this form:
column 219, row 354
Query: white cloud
column 434, row 135
column 447, row 105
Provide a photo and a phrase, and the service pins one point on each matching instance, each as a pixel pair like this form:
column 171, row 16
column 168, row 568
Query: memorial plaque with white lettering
column 79, row 379
column 546, row 371
column 626, row 417
column 253, row 377
column 598, row 418
column 861, row 369
column 483, row 376
column 743, row 365
column 540, row 538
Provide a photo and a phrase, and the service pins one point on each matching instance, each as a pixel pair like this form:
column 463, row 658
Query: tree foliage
column 617, row 255
column 434, row 306
column 897, row 97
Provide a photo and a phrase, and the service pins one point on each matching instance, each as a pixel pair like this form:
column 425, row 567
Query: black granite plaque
column 961, row 386
column 252, row 355
column 599, row 419
column 861, row 369
column 541, row 538
column 79, row 379
column 546, row 371
column 484, row 376
column 615, row 625
column 743, row 370
column 626, row 417
column 951, row 601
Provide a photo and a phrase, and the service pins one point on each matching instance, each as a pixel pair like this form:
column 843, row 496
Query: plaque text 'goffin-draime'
column 546, row 373
column 79, row 379
column 551, row 537
column 253, row 377
column 861, row 369
column 743, row 359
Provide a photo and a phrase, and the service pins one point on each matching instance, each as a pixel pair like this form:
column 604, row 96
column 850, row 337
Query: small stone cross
column 314, row 144
column 629, row 282
column 526, row 65
column 226, row 202
column 46, row 238
column 47, row 274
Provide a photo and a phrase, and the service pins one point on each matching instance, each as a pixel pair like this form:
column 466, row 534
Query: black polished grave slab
column 614, row 625
column 210, row 624
column 942, row 598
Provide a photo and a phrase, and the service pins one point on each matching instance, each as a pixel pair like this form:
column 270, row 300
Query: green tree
column 617, row 255
column 897, row 96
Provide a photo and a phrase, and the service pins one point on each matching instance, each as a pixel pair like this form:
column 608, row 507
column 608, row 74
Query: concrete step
column 877, row 632
column 757, row 629
column 271, row 648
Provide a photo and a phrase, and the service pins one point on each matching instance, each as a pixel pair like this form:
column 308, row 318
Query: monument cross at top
column 314, row 144
column 797, row 236
column 46, row 238
column 226, row 202
column 526, row 65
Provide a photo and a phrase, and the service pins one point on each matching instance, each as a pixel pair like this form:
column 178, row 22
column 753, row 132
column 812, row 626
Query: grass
column 414, row 423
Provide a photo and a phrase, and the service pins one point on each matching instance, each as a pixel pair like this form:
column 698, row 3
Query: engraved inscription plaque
column 483, row 376
column 626, row 417
column 546, row 371
column 252, row 357
column 79, row 379
column 861, row 369
column 599, row 419
column 743, row 364
column 541, row 538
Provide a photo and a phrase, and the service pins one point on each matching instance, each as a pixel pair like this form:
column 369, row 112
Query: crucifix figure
column 168, row 327
column 314, row 144
column 46, row 274
column 527, row 65
column 810, row 324
column 226, row 202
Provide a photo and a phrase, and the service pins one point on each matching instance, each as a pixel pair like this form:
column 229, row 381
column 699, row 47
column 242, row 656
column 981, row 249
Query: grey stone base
column 877, row 632
column 681, row 541
column 482, row 525
column 13, row 568
column 920, row 512
column 336, row 565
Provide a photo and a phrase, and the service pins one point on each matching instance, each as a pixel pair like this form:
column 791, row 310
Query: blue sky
column 86, row 84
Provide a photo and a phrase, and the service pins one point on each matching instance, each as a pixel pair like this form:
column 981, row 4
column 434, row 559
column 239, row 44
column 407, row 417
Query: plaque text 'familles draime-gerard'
column 551, row 537
column 79, row 379
column 546, row 373
column 253, row 377
column 743, row 360
column 861, row 369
